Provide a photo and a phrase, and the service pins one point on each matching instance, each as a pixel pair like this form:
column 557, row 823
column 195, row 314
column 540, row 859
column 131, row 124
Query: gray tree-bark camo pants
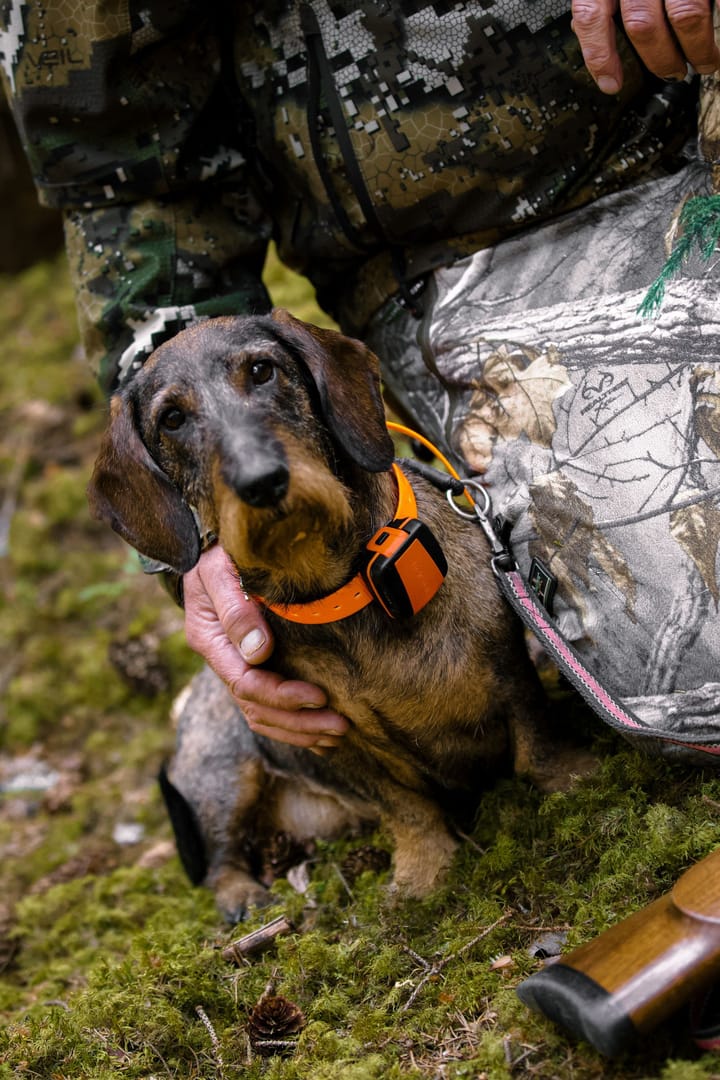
column 597, row 430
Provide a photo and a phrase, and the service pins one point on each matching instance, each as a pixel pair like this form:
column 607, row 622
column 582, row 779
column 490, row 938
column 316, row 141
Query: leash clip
column 500, row 557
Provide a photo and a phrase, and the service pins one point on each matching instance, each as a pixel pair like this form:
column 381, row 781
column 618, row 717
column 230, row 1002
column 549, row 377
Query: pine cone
column 364, row 858
column 137, row 661
column 273, row 1023
column 279, row 853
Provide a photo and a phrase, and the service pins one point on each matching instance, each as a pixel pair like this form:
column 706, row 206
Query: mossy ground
column 111, row 964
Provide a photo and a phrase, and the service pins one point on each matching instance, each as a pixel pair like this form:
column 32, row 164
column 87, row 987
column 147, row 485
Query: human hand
column 229, row 632
column 667, row 34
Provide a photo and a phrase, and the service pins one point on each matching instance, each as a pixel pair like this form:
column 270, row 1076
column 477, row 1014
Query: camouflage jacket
column 373, row 141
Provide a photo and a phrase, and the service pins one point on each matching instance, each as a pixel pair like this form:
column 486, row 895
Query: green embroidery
column 698, row 230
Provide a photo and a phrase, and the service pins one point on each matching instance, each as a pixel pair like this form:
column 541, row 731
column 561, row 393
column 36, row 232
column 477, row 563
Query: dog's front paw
column 236, row 892
column 421, row 866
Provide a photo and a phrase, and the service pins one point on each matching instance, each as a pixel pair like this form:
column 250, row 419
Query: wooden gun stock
column 634, row 975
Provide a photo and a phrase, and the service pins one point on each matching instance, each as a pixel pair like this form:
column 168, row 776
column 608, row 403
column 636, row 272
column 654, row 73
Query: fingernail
column 251, row 644
column 317, row 751
column 330, row 744
column 608, row 84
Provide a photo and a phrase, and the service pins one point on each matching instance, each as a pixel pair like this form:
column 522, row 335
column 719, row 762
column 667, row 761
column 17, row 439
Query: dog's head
column 219, row 405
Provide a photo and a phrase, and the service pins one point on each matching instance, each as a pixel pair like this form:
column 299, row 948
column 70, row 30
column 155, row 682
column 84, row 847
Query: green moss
column 38, row 327
column 116, row 949
column 685, row 1070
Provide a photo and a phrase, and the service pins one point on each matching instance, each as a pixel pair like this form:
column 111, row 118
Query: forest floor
column 112, row 964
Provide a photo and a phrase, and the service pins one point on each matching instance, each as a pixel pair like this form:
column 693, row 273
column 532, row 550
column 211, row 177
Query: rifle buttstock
column 634, row 975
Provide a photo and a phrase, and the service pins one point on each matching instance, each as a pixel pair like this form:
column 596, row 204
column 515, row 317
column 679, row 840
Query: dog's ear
column 133, row 495
column 347, row 376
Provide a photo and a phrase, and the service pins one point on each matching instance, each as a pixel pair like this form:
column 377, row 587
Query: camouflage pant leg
column 598, row 431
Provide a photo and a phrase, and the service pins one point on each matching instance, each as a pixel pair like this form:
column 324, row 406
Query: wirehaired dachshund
column 270, row 435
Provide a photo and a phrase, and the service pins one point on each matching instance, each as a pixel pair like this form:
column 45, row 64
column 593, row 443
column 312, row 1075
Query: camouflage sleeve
column 130, row 129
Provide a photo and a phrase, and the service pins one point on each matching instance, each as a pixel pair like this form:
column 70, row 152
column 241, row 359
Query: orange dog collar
column 405, row 569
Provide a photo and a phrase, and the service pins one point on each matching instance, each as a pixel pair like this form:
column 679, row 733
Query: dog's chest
column 417, row 677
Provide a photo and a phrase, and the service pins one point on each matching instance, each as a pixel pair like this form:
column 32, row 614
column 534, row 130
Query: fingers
column 592, row 22
column 667, row 34
column 229, row 632
column 216, row 608
column 309, row 728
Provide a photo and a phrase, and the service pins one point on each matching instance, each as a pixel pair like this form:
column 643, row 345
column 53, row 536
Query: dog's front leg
column 542, row 753
column 424, row 846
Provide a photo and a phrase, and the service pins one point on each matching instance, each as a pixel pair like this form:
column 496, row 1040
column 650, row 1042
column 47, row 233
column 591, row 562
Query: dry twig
column 213, row 1038
column 434, row 969
column 257, row 939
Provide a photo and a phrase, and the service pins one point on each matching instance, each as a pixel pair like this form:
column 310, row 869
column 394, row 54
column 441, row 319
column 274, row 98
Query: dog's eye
column 261, row 371
column 172, row 418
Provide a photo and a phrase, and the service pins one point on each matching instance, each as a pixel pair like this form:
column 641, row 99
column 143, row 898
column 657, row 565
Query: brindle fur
column 285, row 456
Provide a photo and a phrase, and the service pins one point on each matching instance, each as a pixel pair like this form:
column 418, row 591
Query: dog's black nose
column 252, row 462
column 266, row 490
column 261, row 486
